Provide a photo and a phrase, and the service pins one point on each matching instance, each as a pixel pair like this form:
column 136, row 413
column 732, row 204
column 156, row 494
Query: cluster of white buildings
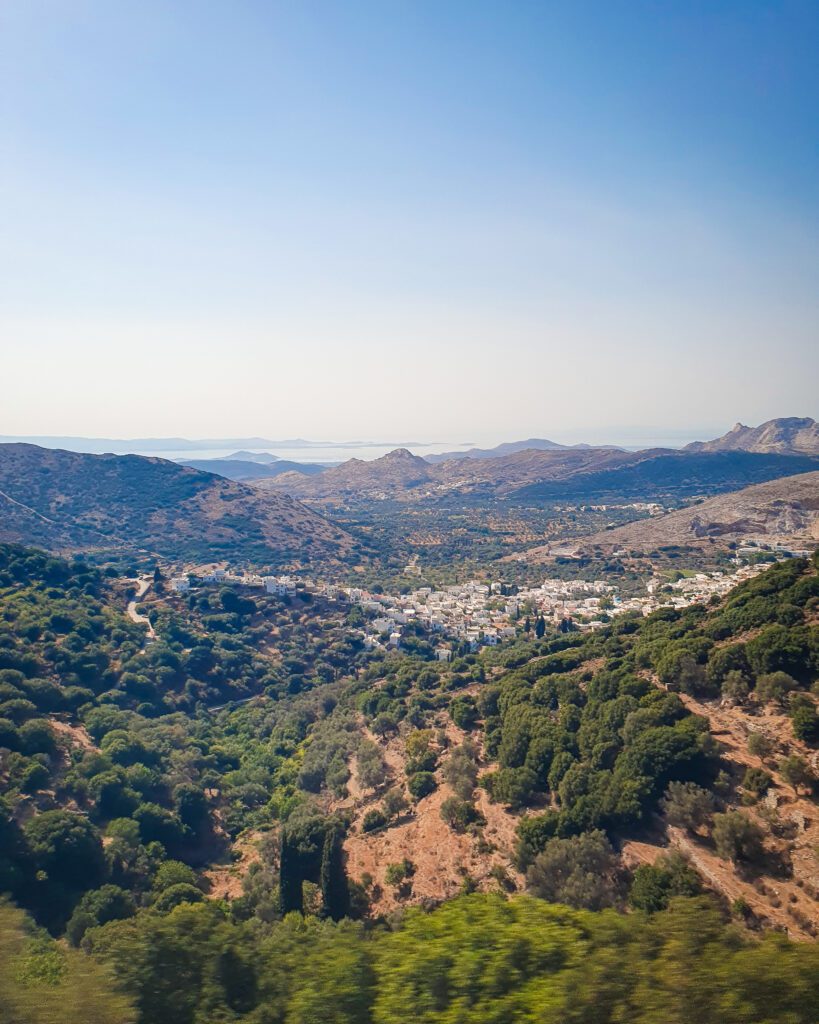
column 471, row 612
column 478, row 614
column 282, row 586
column 698, row 588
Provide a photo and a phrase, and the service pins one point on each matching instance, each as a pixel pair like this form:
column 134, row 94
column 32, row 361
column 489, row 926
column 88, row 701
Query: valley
column 370, row 703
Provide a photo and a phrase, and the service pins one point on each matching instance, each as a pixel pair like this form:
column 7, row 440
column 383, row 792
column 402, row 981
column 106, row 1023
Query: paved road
column 244, row 700
column 143, row 587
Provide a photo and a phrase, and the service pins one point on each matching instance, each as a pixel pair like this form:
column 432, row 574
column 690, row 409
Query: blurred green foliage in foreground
column 477, row 960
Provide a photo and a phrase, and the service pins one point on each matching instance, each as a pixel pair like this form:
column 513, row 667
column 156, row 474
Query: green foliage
column 688, row 806
column 797, row 772
column 583, row 872
column 655, row 885
column 334, row 891
column 42, row 983
column 459, row 814
column 756, row 781
column 374, row 819
column 372, row 768
column 737, row 838
column 421, row 784
column 760, row 745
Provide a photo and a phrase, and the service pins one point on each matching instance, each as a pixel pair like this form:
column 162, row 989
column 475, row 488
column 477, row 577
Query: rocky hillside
column 397, row 473
column 65, row 501
column 785, row 510
column 788, row 435
column 401, row 476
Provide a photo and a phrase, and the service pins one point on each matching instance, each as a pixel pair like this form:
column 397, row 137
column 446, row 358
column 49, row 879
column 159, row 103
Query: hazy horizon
column 447, row 221
column 337, row 450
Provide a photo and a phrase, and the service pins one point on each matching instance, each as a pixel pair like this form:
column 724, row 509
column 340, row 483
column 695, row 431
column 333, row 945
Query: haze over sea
column 340, row 451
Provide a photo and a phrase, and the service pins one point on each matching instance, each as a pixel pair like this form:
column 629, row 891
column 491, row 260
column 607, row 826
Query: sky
column 436, row 220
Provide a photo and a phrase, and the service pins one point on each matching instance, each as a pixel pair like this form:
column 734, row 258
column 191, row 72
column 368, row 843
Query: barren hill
column 787, row 435
column 401, row 476
column 533, row 476
column 63, row 500
column 784, row 509
column 395, row 473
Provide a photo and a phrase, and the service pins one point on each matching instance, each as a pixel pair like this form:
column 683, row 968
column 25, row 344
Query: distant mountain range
column 242, row 469
column 63, row 500
column 785, row 436
column 536, row 476
column 263, row 458
column 512, row 447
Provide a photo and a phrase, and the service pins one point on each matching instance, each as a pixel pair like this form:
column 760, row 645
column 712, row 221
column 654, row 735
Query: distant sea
column 317, row 451
column 334, row 453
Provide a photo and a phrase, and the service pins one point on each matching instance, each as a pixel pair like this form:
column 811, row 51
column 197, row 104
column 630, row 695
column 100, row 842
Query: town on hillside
column 477, row 613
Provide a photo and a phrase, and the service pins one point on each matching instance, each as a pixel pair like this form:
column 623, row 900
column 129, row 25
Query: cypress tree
column 290, row 887
column 334, row 891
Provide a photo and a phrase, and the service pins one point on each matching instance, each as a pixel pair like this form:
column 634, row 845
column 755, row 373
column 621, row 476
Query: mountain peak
column 399, row 455
column 786, row 435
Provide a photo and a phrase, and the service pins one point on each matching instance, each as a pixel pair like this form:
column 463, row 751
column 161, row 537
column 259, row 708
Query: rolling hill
column 397, row 474
column 510, row 448
column 780, row 510
column 66, row 501
column 246, row 469
column 667, row 475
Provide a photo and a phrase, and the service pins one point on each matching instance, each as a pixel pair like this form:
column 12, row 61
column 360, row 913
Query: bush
column 654, row 885
column 513, row 787
column 737, row 838
column 687, row 805
column 796, row 772
column 421, row 784
column 804, row 719
column 760, row 745
column 756, row 781
column 175, row 895
column 459, row 814
column 583, row 872
column 373, row 820
column 397, row 873
column 173, row 872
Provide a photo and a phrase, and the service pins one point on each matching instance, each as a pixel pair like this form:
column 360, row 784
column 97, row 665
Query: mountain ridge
column 535, row 475
column 786, row 435
column 64, row 501
column 786, row 510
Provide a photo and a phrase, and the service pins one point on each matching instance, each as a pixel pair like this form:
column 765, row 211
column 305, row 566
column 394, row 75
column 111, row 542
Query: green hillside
column 126, row 801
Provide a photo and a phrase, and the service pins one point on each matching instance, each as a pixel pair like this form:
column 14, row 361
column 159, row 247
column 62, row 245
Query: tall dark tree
column 540, row 627
column 334, row 891
column 290, row 880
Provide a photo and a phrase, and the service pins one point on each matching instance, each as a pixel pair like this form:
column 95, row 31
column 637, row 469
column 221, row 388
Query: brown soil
column 76, row 735
column 788, row 901
column 225, row 880
column 441, row 857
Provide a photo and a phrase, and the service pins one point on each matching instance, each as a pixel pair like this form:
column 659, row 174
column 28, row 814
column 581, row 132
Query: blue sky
column 430, row 220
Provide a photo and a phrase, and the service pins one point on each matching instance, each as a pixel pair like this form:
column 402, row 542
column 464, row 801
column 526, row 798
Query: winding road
column 143, row 586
